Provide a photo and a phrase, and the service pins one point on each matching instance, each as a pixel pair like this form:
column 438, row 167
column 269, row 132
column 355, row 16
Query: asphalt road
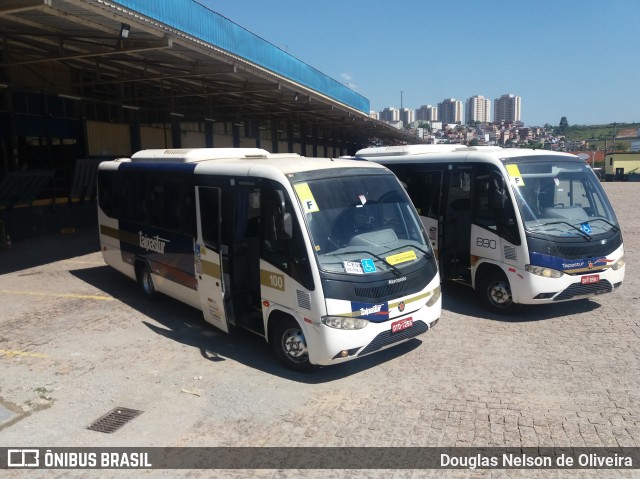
column 77, row 340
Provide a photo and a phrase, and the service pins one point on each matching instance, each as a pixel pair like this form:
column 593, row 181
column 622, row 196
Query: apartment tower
column 507, row 109
column 450, row 111
column 478, row 110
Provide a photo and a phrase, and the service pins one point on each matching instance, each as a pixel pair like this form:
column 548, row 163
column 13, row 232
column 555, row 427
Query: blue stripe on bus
column 563, row 264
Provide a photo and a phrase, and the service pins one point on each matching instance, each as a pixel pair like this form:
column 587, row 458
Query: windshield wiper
column 586, row 235
column 426, row 253
column 379, row 258
column 615, row 227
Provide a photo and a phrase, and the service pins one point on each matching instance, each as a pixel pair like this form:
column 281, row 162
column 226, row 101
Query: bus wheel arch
column 287, row 339
column 144, row 278
column 494, row 290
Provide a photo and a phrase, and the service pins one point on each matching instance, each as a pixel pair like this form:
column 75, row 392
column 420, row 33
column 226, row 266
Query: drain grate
column 114, row 420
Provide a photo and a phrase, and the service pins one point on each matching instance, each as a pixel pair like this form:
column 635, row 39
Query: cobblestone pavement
column 78, row 339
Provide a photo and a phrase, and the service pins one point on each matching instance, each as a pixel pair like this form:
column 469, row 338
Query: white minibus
column 520, row 226
column 326, row 259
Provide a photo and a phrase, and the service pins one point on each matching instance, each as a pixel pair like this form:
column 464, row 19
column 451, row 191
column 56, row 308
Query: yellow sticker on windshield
column 401, row 257
column 309, row 204
column 514, row 173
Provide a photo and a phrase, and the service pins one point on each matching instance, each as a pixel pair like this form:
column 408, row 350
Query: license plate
column 401, row 325
column 592, row 278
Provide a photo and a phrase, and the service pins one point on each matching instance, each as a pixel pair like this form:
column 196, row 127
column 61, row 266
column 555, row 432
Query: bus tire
column 145, row 280
column 290, row 344
column 494, row 291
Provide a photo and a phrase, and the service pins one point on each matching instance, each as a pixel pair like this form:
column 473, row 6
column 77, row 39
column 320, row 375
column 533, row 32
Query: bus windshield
column 362, row 225
column 561, row 198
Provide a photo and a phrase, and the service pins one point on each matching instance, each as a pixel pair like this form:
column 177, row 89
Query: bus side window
column 276, row 245
column 154, row 203
column 210, row 216
column 109, row 193
column 135, row 193
column 188, row 210
column 493, row 207
column 282, row 242
column 485, row 214
column 424, row 191
column 434, row 187
column 171, row 205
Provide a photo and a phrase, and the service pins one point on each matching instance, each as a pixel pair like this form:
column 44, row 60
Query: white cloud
column 347, row 81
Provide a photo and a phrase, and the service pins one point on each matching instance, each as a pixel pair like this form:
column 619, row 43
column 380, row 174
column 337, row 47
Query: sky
column 578, row 59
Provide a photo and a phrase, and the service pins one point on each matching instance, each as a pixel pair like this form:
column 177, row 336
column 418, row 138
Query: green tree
column 564, row 124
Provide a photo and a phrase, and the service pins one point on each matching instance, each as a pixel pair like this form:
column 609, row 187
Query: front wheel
column 494, row 291
column 290, row 345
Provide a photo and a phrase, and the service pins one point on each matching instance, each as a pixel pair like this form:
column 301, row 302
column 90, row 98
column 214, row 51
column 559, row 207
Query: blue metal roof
column 197, row 20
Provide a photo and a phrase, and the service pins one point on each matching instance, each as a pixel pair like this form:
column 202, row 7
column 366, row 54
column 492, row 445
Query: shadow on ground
column 178, row 322
column 33, row 252
column 461, row 299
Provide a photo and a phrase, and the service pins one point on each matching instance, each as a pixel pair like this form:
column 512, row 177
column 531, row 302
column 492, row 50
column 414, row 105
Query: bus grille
column 380, row 293
column 578, row 289
column 386, row 338
column 576, row 252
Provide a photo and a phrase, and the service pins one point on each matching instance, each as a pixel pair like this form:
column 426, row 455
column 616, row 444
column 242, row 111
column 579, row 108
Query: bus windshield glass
column 561, row 198
column 362, row 224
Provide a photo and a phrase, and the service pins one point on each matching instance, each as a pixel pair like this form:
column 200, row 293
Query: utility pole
column 401, row 92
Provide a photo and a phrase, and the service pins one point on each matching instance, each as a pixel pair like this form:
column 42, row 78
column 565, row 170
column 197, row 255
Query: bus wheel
column 495, row 293
column 290, row 345
column 145, row 280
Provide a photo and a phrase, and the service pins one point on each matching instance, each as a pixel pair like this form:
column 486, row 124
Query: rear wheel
column 290, row 345
column 143, row 273
column 494, row 291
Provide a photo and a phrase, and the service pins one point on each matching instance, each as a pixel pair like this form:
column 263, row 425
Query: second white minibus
column 520, row 226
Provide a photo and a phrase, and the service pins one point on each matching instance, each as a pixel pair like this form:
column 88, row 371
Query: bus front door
column 456, row 246
column 207, row 257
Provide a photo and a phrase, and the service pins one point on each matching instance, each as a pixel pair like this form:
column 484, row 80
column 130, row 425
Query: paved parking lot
column 77, row 339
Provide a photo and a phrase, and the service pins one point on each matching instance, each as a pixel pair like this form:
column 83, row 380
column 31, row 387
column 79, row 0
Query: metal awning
column 120, row 60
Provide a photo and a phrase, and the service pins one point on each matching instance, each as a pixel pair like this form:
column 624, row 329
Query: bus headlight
column 618, row 264
column 434, row 297
column 544, row 272
column 342, row 322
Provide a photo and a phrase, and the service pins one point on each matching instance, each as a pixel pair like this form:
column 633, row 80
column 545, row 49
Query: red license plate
column 592, row 278
column 402, row 324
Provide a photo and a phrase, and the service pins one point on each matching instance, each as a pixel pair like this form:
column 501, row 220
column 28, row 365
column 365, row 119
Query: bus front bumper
column 337, row 346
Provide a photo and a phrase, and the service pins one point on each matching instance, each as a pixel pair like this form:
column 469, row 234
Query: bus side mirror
column 283, row 220
column 284, row 229
column 499, row 198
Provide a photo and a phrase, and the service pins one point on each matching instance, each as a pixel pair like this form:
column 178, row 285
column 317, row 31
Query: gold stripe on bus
column 211, row 269
column 272, row 280
column 357, row 313
column 109, row 231
column 124, row 236
column 411, row 300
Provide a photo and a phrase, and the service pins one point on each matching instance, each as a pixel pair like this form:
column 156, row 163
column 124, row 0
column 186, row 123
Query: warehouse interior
column 82, row 81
